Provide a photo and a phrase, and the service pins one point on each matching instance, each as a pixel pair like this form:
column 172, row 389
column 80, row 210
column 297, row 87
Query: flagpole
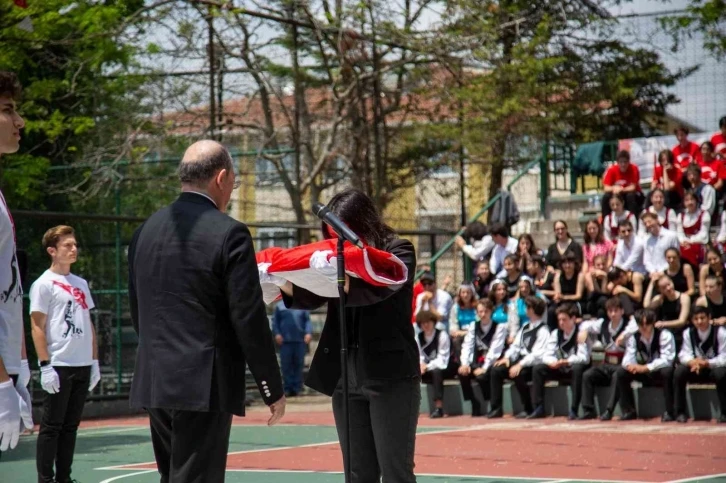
column 344, row 358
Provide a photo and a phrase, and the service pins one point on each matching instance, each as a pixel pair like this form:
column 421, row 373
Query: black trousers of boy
column 498, row 375
column 599, row 376
column 661, row 376
column 543, row 373
column 683, row 376
column 58, row 427
column 484, row 382
column 436, row 378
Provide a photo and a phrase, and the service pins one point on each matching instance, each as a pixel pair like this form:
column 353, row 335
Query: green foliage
column 704, row 17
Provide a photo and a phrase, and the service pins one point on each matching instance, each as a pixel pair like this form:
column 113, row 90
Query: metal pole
column 544, row 175
column 210, row 53
column 117, row 194
column 344, row 357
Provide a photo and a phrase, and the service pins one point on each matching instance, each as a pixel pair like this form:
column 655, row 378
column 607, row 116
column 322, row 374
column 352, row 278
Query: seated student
column 463, row 312
column 437, row 363
column 693, row 231
column 525, row 352
column 628, row 286
column 630, row 249
column 649, row 356
column 686, row 153
column 569, row 288
column 503, row 245
column 712, row 168
column 705, row 194
column 713, row 300
column 596, row 245
column 719, row 139
column 680, row 273
column 671, row 307
column 564, row 358
column 607, row 330
column 526, row 288
column 483, row 345
column 656, row 241
column 666, row 217
column 475, row 241
column 526, row 250
column 434, row 300
column 483, row 279
column 703, row 360
column 617, row 214
column 713, row 266
column 511, row 274
column 596, row 283
column 498, row 297
column 544, row 279
column 563, row 244
column 668, row 178
column 622, row 179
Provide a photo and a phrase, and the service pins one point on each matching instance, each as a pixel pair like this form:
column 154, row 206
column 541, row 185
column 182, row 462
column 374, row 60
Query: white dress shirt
column 708, row 198
column 499, row 253
column 721, row 237
column 665, row 214
column 442, row 302
column 667, row 351
column 655, row 247
column 518, row 349
column 479, row 249
column 203, row 194
column 581, row 355
column 630, row 256
column 441, row 361
column 690, row 219
column 468, row 347
column 687, row 351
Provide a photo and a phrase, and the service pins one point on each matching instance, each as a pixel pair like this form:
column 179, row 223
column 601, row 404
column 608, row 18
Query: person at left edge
column 293, row 332
column 65, row 341
column 383, row 368
column 15, row 404
column 196, row 303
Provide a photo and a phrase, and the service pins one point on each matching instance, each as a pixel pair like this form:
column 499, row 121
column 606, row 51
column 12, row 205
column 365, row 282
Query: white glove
column 95, row 375
column 49, row 379
column 26, row 407
column 268, row 277
column 9, row 416
column 328, row 268
column 24, row 376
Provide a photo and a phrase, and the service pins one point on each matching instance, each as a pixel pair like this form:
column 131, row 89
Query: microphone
column 324, row 213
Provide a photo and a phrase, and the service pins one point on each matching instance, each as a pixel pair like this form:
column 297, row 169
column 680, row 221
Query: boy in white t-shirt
column 65, row 341
column 15, row 412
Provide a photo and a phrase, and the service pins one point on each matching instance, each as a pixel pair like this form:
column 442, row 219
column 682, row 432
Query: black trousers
column 59, row 425
column 599, row 376
column 543, row 373
column 634, row 201
column 383, row 419
column 662, row 376
column 436, row 378
column 683, row 376
column 484, row 382
column 15, row 381
column 498, row 375
column 190, row 446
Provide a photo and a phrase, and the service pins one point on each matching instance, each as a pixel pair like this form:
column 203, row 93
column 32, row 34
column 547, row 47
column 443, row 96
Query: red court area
column 552, row 448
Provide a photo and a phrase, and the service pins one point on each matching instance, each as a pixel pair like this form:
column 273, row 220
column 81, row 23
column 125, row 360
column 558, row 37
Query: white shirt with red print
column 66, row 301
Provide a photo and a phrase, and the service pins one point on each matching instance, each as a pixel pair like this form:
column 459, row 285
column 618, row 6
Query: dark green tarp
column 589, row 159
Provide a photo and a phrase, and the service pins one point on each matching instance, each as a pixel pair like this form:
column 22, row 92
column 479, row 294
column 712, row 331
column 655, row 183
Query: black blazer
column 379, row 325
column 196, row 304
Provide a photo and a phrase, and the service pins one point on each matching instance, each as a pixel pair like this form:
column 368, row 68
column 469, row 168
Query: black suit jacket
column 196, row 304
column 379, row 326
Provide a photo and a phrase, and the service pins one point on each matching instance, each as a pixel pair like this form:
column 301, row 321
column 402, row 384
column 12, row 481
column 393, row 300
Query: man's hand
column 278, row 339
column 554, row 365
column 719, row 321
column 637, row 369
column 270, row 278
column 422, row 366
column 427, row 296
column 514, row 371
column 447, row 280
column 618, row 289
column 582, row 336
column 9, row 416
column 660, row 324
column 557, row 297
column 655, row 276
column 502, row 362
column 278, row 411
column 621, row 340
column 464, row 370
column 479, row 371
column 460, row 242
column 307, row 338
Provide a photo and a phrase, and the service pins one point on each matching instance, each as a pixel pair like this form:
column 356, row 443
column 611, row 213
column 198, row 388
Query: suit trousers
column 190, row 446
column 599, row 376
column 662, row 376
column 543, row 373
column 484, row 382
column 499, row 374
column 62, row 413
column 383, row 419
column 436, row 378
column 683, row 376
column 292, row 360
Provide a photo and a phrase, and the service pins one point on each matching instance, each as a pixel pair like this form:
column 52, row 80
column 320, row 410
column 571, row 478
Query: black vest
column 482, row 341
column 566, row 348
column 613, row 352
column 432, row 348
column 529, row 338
column 708, row 349
column 645, row 354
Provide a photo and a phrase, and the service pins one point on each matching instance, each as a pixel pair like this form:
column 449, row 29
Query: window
column 265, row 172
column 275, row 237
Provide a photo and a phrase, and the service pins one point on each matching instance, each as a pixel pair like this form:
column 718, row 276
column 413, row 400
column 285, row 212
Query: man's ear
column 50, row 251
column 221, row 177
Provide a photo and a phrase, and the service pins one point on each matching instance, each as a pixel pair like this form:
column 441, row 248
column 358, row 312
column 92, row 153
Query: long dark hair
column 600, row 238
column 357, row 210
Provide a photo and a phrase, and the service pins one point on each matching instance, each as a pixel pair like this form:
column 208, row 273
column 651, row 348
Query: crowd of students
column 641, row 299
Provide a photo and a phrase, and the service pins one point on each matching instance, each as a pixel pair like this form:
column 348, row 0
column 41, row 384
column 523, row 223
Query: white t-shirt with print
column 67, row 302
column 11, row 294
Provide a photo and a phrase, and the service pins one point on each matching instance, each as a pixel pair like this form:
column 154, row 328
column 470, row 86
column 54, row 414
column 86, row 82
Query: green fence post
column 432, row 239
column 573, row 179
column 544, row 177
column 117, row 194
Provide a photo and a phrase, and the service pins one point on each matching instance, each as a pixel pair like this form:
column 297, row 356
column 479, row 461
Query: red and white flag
column 314, row 267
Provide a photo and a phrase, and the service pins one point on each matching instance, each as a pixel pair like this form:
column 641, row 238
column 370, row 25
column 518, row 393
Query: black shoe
column 538, row 413
column 572, row 416
column 682, row 418
column 437, row 413
column 587, row 415
column 495, row 413
column 666, row 418
column 522, row 415
column 290, row 394
column 607, row 415
column 629, row 416
column 475, row 409
column 722, row 418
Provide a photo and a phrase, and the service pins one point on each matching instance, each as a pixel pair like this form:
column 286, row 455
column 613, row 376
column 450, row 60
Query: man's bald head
column 202, row 161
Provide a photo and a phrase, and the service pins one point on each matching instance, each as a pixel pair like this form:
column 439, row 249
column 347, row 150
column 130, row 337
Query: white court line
column 698, row 478
column 116, row 478
column 89, row 432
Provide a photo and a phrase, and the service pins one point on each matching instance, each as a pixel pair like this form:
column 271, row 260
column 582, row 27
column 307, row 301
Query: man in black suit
column 196, row 304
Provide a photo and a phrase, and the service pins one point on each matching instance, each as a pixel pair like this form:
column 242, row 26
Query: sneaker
column 437, row 413
column 682, row 418
column 666, row 418
column 572, row 416
column 607, row 415
column 538, row 413
column 629, row 416
column 495, row 413
column 587, row 415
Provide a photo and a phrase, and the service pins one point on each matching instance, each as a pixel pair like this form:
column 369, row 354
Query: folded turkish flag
column 374, row 266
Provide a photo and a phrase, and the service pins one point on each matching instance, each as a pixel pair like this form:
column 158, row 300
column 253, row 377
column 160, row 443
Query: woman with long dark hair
column 669, row 178
column 526, row 249
column 384, row 365
column 563, row 244
column 595, row 245
column 681, row 274
column 713, row 266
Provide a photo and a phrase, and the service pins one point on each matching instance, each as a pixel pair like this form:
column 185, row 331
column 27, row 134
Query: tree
column 706, row 17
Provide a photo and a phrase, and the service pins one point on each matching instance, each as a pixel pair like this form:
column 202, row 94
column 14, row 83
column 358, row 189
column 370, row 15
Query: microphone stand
column 344, row 357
